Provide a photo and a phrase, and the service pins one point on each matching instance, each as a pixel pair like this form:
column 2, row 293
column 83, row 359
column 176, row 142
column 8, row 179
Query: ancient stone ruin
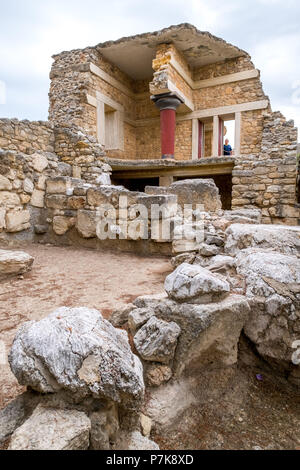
column 142, row 121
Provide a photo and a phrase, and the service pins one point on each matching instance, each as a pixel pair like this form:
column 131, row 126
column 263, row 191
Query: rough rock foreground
column 14, row 263
column 77, row 351
column 184, row 339
column 86, row 385
column 81, row 364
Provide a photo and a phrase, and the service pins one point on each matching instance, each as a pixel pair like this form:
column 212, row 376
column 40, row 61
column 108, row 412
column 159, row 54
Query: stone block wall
column 183, row 140
column 164, row 70
column 26, row 136
column 252, row 126
column 82, row 151
column 22, row 187
column 71, row 82
column 223, row 68
column 228, row 94
column 72, row 211
column 23, row 174
column 148, row 141
column 268, row 180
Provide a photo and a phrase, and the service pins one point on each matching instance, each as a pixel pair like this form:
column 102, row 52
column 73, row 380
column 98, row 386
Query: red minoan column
column 167, row 103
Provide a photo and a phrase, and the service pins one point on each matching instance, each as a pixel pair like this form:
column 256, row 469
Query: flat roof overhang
column 137, row 169
column 134, row 54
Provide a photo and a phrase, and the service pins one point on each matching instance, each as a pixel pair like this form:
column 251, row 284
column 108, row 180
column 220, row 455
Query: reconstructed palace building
column 153, row 109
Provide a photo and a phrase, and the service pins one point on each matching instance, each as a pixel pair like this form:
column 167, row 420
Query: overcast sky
column 32, row 30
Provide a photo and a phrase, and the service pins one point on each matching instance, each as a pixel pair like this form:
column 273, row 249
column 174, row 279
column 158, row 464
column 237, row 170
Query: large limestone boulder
column 14, row 262
column 196, row 285
column 53, row 429
column 209, row 333
column 62, row 224
column 86, row 223
column 135, row 441
column 138, row 317
column 77, row 351
column 243, row 216
column 39, row 162
column 192, row 191
column 166, row 404
column 17, row 221
column 15, row 413
column 157, row 340
column 273, row 287
column 279, row 238
column 104, row 195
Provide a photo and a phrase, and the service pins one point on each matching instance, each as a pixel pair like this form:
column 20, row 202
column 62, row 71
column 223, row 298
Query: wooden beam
column 226, row 110
column 194, row 85
column 230, row 78
column 203, row 170
column 222, row 111
column 101, row 123
column 109, row 102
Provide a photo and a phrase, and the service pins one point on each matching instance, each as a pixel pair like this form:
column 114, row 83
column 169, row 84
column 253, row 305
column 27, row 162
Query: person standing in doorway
column 227, row 148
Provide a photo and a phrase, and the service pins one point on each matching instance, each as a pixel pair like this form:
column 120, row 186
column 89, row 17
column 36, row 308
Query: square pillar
column 237, row 138
column 195, row 139
column 101, row 122
column 215, row 147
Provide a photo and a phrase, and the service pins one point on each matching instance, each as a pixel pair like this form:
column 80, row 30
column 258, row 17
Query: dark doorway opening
column 137, row 184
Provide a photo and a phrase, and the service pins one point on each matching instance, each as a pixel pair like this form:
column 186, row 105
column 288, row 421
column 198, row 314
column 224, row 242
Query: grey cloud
column 250, row 24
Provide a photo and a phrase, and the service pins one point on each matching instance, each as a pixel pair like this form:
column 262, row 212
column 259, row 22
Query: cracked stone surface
column 272, row 283
column 194, row 284
column 76, row 350
column 279, row 238
column 53, row 429
column 156, row 341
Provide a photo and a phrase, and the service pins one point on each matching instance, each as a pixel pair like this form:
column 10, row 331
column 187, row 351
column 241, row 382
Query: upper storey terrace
column 167, row 94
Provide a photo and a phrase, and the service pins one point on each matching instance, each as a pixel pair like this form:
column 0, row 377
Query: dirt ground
column 72, row 277
column 236, row 411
